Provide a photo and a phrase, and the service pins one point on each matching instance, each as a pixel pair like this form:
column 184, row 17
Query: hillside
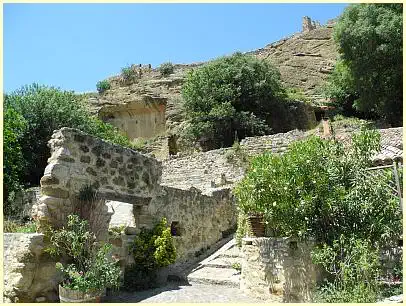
column 304, row 59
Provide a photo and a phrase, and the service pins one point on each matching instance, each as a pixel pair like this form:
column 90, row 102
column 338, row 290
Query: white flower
column 274, row 204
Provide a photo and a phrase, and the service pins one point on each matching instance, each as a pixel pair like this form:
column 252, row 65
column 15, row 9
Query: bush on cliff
column 32, row 113
column 369, row 75
column 231, row 96
column 166, row 69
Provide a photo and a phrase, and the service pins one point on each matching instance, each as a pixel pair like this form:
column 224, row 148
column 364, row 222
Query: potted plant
column 88, row 270
column 153, row 251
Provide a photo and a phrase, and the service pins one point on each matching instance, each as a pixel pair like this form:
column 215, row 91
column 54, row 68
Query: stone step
column 233, row 252
column 222, row 262
column 218, row 276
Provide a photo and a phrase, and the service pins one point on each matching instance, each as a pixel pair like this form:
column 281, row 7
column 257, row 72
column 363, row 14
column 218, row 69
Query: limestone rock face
column 305, row 60
column 29, row 273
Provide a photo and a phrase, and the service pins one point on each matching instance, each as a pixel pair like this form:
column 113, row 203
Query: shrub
column 90, row 268
column 354, row 264
column 166, row 69
column 151, row 249
column 129, row 74
column 230, row 95
column 102, row 86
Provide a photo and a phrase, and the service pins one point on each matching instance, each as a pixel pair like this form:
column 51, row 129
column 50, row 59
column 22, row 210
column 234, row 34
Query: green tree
column 230, row 95
column 32, row 114
column 369, row 39
column 13, row 163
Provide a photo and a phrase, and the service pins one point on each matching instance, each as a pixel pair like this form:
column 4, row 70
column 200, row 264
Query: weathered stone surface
column 278, row 267
column 64, row 178
column 202, row 218
column 27, row 274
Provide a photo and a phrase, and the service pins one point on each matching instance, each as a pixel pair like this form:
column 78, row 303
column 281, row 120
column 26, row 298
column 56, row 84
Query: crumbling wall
column 79, row 160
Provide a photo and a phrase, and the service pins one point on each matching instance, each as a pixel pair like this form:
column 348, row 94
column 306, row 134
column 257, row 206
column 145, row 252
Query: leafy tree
column 32, row 114
column 369, row 39
column 13, row 163
column 231, row 95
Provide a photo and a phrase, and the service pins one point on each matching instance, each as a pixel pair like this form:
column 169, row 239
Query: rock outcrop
column 305, row 59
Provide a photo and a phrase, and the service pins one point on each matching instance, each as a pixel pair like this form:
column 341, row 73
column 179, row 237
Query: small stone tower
column 308, row 24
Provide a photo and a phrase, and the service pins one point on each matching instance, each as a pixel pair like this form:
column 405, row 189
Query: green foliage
column 31, row 115
column 236, row 266
column 370, row 74
column 231, row 95
column 155, row 247
column 318, row 188
column 242, row 228
column 296, row 94
column 354, row 263
column 166, row 69
column 90, row 268
column 340, row 88
column 339, row 122
column 102, row 86
column 152, row 249
column 116, row 231
column 129, row 74
column 10, row 226
column 13, row 163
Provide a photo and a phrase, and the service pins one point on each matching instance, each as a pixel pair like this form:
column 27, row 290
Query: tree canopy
column 231, row 96
column 369, row 74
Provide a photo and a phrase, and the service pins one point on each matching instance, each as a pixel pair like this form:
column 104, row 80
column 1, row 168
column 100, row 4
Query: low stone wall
column 29, row 273
column 279, row 269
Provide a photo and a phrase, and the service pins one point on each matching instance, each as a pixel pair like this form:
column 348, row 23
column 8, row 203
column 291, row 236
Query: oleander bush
column 319, row 189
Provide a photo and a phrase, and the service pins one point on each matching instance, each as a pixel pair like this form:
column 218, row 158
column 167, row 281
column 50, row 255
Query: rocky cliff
column 305, row 59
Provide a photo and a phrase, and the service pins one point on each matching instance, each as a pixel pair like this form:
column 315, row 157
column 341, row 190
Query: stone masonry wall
column 201, row 220
column 29, row 274
column 78, row 160
column 279, row 269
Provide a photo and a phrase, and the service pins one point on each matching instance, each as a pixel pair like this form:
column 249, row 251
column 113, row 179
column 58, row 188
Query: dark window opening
column 175, row 228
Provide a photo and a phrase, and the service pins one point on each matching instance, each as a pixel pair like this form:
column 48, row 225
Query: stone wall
column 200, row 220
column 29, row 274
column 79, row 160
column 277, row 269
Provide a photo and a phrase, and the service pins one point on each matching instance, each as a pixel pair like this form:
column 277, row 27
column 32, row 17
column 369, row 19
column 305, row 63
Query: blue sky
column 72, row 46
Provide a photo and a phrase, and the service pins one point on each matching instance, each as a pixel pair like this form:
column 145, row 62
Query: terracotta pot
column 67, row 295
column 257, row 224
